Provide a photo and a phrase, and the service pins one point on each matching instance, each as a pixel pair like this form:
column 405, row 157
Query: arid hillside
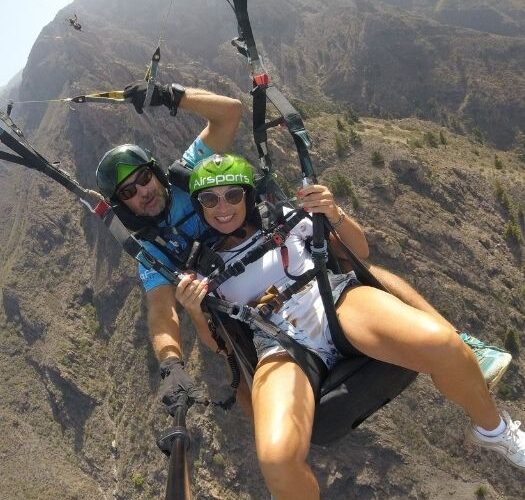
column 417, row 124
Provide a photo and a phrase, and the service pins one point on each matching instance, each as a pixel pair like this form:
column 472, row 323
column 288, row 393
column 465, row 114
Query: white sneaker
column 510, row 443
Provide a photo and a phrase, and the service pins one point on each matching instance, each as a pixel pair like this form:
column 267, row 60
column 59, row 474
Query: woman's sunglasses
column 129, row 190
column 209, row 199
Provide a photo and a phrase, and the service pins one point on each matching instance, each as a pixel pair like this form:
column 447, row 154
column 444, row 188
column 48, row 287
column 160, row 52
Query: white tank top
column 302, row 316
column 268, row 270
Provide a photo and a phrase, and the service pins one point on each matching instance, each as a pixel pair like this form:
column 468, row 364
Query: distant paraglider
column 73, row 22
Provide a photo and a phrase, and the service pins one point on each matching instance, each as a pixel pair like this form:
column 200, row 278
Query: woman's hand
column 318, row 199
column 190, row 292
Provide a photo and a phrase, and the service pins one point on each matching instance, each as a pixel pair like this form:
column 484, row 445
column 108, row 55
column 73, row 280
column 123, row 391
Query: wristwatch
column 177, row 92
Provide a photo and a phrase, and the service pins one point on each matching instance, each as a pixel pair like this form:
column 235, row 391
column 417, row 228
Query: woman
column 373, row 321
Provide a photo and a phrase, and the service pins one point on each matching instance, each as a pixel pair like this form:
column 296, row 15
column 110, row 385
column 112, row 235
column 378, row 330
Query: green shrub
column 519, row 141
column 351, row 116
column 507, row 203
column 415, row 143
column 355, row 138
column 512, row 341
column 341, row 186
column 302, row 107
column 138, row 480
column 512, row 232
column 431, row 139
column 198, row 463
column 340, row 125
column 481, row 491
column 92, row 322
column 504, row 390
column 498, row 190
column 377, row 159
column 442, row 138
column 498, row 163
column 219, row 460
column 340, row 146
column 478, row 135
column 514, row 211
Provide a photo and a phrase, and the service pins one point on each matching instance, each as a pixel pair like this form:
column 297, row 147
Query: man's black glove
column 137, row 93
column 177, row 388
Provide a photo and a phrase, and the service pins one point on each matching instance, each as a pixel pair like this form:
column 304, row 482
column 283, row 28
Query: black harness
column 274, row 237
column 263, row 91
column 349, row 376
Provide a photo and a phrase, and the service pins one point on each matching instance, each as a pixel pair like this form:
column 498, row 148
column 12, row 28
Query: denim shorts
column 266, row 344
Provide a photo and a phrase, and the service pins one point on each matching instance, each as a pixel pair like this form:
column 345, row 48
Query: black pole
column 176, row 487
column 175, row 442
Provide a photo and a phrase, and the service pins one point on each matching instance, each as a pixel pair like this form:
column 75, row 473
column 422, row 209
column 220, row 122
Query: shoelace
column 513, row 437
column 479, row 347
column 474, row 342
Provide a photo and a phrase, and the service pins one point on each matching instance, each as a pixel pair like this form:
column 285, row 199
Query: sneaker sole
column 495, row 380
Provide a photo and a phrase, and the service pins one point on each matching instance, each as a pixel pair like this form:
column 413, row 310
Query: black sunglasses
column 209, row 199
column 129, row 190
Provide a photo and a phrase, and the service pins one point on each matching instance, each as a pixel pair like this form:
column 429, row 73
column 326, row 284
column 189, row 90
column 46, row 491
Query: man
column 130, row 177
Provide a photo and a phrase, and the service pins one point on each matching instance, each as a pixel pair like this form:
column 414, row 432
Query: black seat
column 352, row 391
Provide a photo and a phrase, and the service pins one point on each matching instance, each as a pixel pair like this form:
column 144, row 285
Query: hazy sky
column 22, row 21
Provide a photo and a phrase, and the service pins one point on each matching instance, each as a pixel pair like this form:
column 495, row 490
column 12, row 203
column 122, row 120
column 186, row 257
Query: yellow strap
column 113, row 96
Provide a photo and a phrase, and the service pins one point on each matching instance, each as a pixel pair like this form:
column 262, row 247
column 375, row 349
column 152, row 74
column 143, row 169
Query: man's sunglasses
column 127, row 191
column 209, row 199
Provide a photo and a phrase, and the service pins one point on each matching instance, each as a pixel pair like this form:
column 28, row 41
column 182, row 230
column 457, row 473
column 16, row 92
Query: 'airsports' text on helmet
column 221, row 170
column 119, row 163
column 225, row 170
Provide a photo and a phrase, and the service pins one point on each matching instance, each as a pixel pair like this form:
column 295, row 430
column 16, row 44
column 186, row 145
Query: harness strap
column 311, row 364
column 273, row 300
column 196, row 256
column 261, row 92
column 12, row 137
column 274, row 240
column 232, row 363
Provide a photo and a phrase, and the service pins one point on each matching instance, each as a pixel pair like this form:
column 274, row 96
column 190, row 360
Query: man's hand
column 177, row 388
column 137, row 93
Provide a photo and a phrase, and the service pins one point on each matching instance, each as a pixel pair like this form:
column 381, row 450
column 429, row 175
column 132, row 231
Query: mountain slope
column 79, row 412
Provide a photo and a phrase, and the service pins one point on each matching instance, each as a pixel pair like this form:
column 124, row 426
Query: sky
column 22, row 21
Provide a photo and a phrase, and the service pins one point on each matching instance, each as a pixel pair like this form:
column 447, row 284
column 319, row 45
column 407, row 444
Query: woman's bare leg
column 283, row 408
column 244, row 398
column 385, row 328
column 405, row 292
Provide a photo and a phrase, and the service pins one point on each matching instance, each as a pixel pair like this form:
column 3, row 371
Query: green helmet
column 221, row 170
column 118, row 164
